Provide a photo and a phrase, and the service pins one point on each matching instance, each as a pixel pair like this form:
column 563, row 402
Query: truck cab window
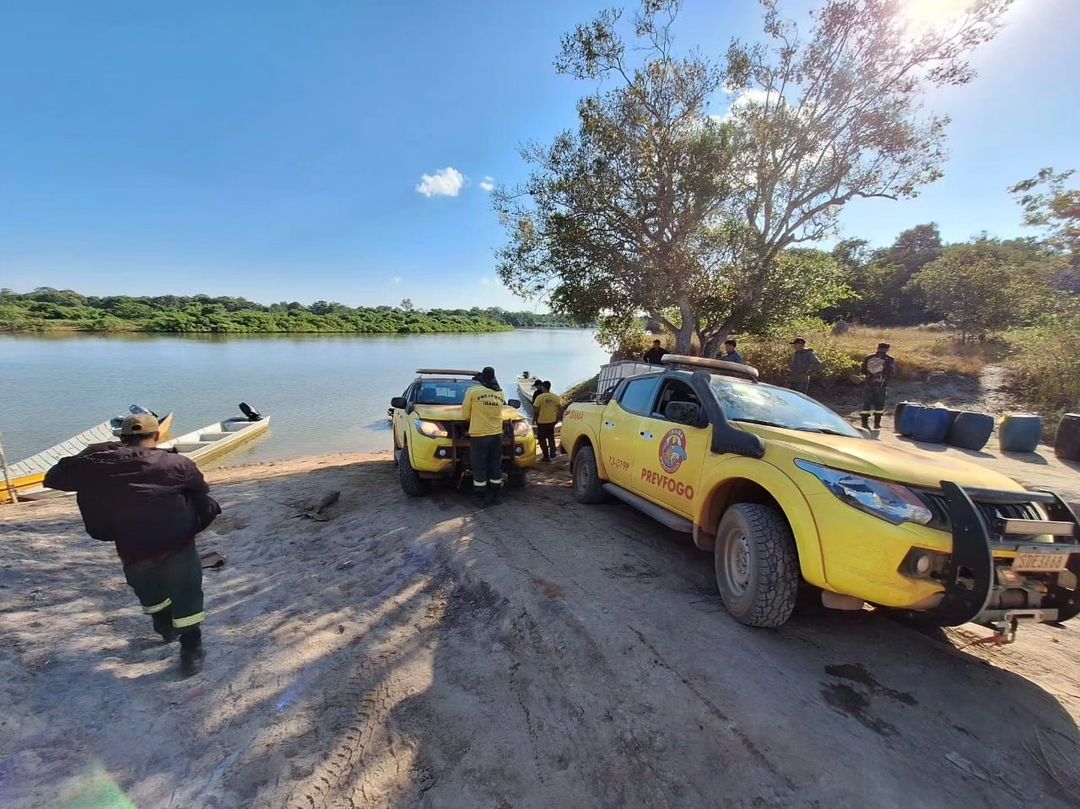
column 674, row 391
column 639, row 395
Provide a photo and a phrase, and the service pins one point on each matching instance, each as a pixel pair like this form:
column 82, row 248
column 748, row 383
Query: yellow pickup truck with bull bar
column 786, row 494
column 431, row 439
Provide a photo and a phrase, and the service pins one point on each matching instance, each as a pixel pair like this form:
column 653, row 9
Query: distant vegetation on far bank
column 47, row 309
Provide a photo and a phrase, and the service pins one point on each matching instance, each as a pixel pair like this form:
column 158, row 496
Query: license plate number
column 1040, row 562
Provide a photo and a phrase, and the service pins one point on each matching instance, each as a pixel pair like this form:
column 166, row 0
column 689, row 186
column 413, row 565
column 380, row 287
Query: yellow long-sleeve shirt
column 483, row 407
column 546, row 407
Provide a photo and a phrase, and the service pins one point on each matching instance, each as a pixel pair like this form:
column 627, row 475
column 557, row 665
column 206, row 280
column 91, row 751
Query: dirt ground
column 536, row 654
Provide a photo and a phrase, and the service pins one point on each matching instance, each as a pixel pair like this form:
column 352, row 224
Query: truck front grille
column 992, row 512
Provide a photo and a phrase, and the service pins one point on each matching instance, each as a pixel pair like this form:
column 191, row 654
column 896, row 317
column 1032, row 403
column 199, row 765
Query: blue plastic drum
column 1020, row 432
column 971, row 430
column 931, row 424
column 1067, row 441
column 906, row 414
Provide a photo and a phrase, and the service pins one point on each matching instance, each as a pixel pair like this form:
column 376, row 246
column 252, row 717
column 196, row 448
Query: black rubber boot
column 163, row 624
column 191, row 652
column 480, row 496
column 496, row 492
column 865, row 420
column 877, row 421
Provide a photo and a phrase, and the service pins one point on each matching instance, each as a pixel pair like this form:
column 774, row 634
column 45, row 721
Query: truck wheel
column 411, row 482
column 757, row 568
column 517, row 480
column 588, row 488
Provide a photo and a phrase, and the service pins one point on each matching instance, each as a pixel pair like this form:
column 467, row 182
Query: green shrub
column 771, row 354
column 1045, row 368
column 582, row 391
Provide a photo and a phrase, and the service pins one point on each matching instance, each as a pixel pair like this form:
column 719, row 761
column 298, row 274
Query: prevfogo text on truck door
column 669, row 456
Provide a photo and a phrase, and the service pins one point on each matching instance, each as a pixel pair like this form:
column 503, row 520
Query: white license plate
column 1040, row 562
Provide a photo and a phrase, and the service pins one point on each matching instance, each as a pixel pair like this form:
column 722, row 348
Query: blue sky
column 275, row 149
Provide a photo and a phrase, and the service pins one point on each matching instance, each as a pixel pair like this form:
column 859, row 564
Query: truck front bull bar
column 969, row 576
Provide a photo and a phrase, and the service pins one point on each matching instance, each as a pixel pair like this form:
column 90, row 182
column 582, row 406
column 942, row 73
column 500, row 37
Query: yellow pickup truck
column 785, row 493
column 431, row 438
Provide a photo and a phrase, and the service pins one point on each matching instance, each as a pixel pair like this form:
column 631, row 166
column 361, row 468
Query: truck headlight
column 888, row 501
column 430, row 429
column 522, row 428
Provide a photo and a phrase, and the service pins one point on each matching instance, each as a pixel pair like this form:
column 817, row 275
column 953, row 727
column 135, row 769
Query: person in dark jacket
column 151, row 503
column 877, row 369
column 730, row 353
column 803, row 363
column 655, row 354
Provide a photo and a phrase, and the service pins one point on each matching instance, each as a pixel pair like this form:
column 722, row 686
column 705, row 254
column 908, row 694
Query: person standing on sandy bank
column 877, row 370
column 483, row 407
column 151, row 503
column 546, row 407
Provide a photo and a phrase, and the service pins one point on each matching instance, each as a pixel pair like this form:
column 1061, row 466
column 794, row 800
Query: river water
column 325, row 393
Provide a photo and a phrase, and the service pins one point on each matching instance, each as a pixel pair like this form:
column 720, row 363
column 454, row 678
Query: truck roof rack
column 446, row 372
column 724, row 367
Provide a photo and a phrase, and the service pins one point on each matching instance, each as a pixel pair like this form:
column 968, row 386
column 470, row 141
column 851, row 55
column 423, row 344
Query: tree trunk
column 684, row 337
column 711, row 347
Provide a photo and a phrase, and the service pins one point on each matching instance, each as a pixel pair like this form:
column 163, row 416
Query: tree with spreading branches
column 1053, row 207
column 652, row 205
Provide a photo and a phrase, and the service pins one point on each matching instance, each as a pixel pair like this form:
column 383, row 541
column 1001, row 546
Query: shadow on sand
column 540, row 653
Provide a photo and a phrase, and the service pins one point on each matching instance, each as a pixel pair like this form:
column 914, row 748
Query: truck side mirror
column 688, row 413
column 399, row 403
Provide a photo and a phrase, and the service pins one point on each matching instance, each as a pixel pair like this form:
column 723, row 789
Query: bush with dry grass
column 771, row 355
column 1045, row 367
column 923, row 351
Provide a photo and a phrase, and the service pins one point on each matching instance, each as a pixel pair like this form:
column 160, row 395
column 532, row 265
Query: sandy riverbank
column 424, row 654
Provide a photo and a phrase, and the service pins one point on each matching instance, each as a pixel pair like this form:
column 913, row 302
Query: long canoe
column 27, row 475
column 216, row 439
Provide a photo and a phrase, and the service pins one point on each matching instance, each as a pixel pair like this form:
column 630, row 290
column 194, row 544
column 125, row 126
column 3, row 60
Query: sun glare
column 920, row 15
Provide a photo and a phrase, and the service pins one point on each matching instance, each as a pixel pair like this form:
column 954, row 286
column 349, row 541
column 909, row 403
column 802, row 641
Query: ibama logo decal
column 672, row 450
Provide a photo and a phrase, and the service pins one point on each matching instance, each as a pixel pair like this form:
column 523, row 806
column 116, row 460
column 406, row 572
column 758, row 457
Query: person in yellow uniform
column 483, row 407
column 546, row 407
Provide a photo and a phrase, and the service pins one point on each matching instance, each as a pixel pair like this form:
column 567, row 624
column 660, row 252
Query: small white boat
column 28, row 474
column 220, row 437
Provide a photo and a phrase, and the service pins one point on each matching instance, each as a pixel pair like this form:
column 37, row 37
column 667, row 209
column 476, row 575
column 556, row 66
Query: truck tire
column 757, row 567
column 588, row 488
column 411, row 482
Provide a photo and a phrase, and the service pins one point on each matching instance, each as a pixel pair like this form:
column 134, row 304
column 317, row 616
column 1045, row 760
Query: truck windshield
column 777, row 407
column 442, row 391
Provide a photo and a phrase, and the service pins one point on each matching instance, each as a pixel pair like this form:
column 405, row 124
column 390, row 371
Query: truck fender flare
column 782, row 491
column 588, row 437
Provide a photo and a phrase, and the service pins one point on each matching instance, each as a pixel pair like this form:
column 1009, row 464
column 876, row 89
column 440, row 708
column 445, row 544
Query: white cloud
column 396, row 280
column 445, row 182
column 485, row 281
column 488, row 184
column 751, row 96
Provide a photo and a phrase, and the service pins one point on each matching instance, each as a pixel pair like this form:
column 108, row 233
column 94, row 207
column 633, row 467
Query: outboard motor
column 249, row 411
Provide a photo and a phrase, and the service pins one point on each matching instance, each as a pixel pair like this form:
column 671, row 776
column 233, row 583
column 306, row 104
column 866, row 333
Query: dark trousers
column 172, row 583
column 486, row 454
column 800, row 383
column 873, row 399
column 545, row 433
